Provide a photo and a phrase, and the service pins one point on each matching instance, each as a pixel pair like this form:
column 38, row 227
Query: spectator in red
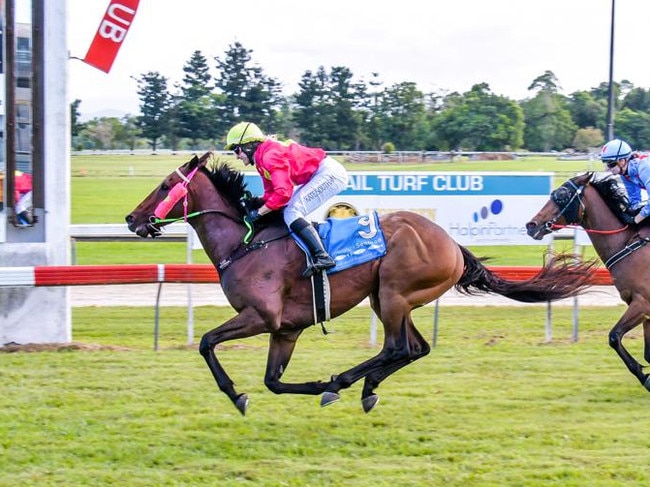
column 23, row 197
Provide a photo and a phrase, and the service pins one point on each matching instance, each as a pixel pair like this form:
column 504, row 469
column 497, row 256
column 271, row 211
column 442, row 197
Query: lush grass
column 161, row 165
column 492, row 405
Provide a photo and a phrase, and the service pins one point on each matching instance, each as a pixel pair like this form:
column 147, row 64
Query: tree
column 311, row 108
column 633, row 127
column 637, row 99
column 547, row 83
column 587, row 111
column 328, row 109
column 103, row 133
column 129, row 132
column 549, row 125
column 75, row 123
column 370, row 94
column 155, row 101
column 195, row 111
column 248, row 94
column 402, row 116
column 588, row 138
column 480, row 120
column 344, row 122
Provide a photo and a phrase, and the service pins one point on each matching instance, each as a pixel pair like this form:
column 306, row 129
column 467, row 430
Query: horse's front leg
column 633, row 316
column 281, row 346
column 248, row 323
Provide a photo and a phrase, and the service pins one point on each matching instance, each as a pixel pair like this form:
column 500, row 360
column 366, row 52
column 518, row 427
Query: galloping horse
column 263, row 283
column 600, row 206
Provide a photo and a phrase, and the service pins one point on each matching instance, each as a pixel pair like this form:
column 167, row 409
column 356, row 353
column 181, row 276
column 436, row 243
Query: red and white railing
column 84, row 275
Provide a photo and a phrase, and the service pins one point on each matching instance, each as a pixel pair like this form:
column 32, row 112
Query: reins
column 555, row 226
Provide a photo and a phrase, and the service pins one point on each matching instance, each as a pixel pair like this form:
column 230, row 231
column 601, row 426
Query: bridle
column 568, row 198
column 180, row 191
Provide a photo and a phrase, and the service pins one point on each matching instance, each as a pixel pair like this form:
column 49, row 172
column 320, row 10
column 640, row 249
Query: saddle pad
column 350, row 241
column 353, row 241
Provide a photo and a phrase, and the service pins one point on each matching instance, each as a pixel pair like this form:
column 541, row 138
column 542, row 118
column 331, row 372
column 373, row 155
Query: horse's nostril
column 129, row 219
column 531, row 226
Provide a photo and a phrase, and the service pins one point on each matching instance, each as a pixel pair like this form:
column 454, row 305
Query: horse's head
column 166, row 203
column 565, row 207
column 594, row 201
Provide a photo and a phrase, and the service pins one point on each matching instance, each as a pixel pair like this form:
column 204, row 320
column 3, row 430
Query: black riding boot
column 309, row 235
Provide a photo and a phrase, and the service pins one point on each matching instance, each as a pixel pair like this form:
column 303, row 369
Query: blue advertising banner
column 474, row 208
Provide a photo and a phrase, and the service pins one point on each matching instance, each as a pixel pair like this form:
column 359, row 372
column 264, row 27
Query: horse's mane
column 230, row 184
column 614, row 196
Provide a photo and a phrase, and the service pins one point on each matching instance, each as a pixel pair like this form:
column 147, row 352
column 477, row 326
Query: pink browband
column 174, row 196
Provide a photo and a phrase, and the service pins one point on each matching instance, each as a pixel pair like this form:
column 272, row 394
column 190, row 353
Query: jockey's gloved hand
column 639, row 218
column 253, row 216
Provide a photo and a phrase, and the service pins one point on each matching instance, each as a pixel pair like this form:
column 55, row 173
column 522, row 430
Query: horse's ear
column 204, row 158
column 193, row 162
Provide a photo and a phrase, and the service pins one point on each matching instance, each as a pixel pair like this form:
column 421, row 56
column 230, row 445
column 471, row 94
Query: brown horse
column 263, row 283
column 600, row 206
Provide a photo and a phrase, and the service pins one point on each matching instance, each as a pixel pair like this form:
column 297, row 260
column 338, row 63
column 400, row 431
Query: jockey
column 634, row 169
column 297, row 178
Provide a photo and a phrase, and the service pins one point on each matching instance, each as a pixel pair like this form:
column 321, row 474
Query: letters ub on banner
column 110, row 34
column 474, row 208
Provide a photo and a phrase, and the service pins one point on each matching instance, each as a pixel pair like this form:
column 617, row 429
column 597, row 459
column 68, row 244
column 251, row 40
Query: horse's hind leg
column 418, row 347
column 646, row 338
column 402, row 345
column 281, row 348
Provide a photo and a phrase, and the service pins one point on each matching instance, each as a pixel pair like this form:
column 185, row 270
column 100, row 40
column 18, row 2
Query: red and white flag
column 111, row 33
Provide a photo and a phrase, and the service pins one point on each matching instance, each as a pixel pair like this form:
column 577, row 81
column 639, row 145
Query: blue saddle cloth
column 351, row 241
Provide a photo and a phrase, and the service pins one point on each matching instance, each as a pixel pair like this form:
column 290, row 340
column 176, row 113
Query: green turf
column 492, row 405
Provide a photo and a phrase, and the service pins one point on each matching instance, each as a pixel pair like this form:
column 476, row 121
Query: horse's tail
column 563, row 276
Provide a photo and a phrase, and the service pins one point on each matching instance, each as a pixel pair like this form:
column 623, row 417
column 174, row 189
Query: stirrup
column 314, row 267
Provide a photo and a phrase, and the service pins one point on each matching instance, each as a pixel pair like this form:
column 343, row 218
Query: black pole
column 610, row 92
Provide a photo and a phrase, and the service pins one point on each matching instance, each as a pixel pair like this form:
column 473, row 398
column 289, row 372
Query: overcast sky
column 439, row 45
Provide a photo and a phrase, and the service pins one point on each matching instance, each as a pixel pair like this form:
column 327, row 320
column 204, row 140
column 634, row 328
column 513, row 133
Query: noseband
column 568, row 198
column 174, row 196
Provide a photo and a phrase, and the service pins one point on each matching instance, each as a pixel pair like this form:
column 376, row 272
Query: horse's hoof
column 242, row 404
column 369, row 402
column 328, row 398
column 646, row 384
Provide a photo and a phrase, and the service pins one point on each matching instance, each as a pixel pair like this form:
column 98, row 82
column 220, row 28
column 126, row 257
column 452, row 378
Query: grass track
column 492, row 405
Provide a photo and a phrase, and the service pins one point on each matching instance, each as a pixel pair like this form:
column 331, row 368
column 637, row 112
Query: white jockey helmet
column 614, row 150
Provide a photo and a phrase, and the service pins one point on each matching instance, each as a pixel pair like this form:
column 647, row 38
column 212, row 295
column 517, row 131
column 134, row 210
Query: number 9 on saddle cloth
column 350, row 241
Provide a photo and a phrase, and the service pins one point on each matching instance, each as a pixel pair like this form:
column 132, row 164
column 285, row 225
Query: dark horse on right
column 263, row 279
column 597, row 203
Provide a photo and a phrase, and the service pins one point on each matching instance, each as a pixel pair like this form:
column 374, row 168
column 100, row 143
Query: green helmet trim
column 243, row 133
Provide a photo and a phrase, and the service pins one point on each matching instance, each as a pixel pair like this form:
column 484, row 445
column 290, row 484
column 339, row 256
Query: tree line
column 334, row 110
